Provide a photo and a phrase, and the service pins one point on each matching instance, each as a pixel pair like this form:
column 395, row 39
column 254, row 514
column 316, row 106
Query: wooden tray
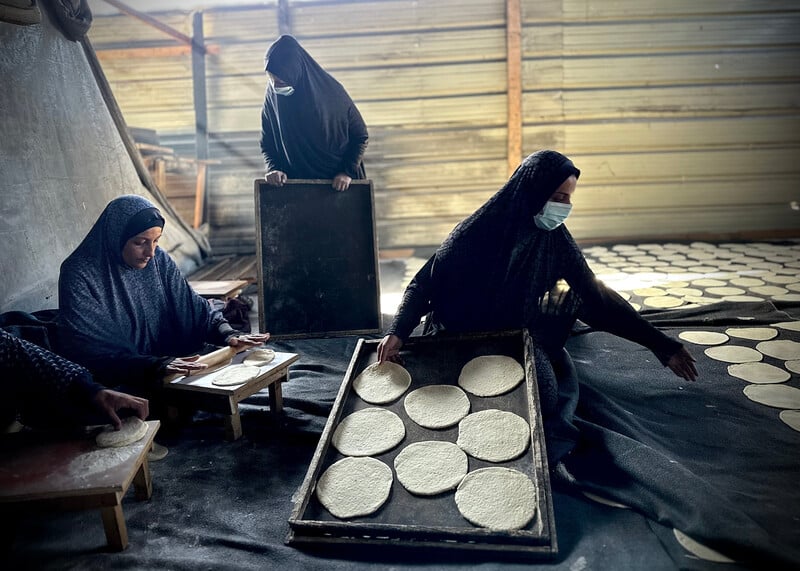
column 406, row 519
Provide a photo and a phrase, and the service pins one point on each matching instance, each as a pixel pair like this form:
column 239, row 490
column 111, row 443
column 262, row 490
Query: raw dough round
column 791, row 418
column 791, row 297
column 703, row 337
column 133, row 429
column 725, row 290
column 699, row 550
column 430, row 467
column 649, row 291
column 742, row 298
column 354, row 487
column 368, row 432
column 235, row 375
column 662, row 301
column 759, row 373
column 437, row 406
column 684, row 291
column 752, row 333
column 497, row 498
column 778, row 396
column 382, row 383
column 793, row 365
column 769, row 290
column 709, row 282
column 734, row 354
column 490, row 375
column 781, row 349
column 259, row 357
column 494, row 435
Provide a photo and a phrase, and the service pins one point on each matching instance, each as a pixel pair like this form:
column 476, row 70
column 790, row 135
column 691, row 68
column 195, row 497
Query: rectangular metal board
column 317, row 259
column 408, row 520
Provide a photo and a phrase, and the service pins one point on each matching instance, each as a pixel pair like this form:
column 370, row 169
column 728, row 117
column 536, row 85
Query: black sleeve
column 267, row 142
column 415, row 303
column 356, row 144
column 604, row 309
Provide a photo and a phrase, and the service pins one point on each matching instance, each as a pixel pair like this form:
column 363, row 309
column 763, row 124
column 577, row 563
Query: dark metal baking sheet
column 433, row 520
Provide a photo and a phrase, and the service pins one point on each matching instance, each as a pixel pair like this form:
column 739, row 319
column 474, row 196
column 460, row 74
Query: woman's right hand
column 185, row 365
column 389, row 349
column 275, row 178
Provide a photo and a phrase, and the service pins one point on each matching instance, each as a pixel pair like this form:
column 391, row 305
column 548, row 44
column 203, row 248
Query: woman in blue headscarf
column 126, row 312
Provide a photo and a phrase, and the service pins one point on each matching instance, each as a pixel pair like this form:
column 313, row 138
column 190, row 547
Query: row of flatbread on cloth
column 716, row 459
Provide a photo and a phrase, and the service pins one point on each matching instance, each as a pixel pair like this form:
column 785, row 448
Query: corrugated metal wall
column 683, row 116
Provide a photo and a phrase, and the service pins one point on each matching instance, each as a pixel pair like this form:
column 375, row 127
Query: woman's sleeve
column 415, row 303
column 356, row 144
column 604, row 309
column 267, row 142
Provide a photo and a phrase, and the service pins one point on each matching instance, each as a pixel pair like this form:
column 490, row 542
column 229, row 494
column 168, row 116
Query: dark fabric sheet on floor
column 699, row 457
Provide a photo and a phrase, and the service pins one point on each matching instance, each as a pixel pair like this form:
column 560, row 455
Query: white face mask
column 285, row 90
column 552, row 215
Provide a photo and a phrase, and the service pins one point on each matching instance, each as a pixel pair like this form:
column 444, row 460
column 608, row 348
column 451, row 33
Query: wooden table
column 74, row 474
column 198, row 391
column 222, row 289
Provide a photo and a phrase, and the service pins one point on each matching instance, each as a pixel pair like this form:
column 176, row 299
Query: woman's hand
column 275, row 178
column 250, row 340
column 341, row 182
column 185, row 365
column 389, row 349
column 111, row 402
column 682, row 364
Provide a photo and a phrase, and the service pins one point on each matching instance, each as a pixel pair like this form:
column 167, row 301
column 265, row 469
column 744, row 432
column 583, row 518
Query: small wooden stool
column 75, row 475
column 199, row 392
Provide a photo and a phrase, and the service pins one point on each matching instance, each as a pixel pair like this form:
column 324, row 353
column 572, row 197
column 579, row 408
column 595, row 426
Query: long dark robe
column 498, row 271
column 316, row 132
column 126, row 324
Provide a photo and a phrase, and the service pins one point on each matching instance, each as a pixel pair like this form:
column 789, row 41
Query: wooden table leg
column 233, row 425
column 114, row 524
column 143, row 481
column 276, row 396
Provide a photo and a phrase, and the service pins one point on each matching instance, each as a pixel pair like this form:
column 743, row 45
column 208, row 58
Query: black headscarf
column 497, row 262
column 316, row 132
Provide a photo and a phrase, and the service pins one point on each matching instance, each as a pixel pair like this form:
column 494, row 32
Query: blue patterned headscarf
column 121, row 323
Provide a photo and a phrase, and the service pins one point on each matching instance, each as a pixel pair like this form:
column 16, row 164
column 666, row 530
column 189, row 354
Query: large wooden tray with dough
column 433, row 521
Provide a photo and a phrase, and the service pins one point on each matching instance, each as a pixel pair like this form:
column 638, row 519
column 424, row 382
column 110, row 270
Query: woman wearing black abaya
column 310, row 128
column 511, row 265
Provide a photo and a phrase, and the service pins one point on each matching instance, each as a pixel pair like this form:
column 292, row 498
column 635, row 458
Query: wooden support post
column 514, row 76
column 200, row 195
column 200, row 112
column 114, row 525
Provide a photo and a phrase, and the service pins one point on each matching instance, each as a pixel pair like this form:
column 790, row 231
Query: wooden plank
column 124, row 55
column 222, row 289
column 514, row 82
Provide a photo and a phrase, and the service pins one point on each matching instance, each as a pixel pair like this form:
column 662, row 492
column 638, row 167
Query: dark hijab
column 317, row 132
column 123, row 323
column 497, row 261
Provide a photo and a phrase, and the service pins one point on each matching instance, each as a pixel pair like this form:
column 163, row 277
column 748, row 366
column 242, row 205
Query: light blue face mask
column 552, row 215
column 285, row 90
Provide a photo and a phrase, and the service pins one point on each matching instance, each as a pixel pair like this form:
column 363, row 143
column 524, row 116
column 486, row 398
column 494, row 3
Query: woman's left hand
column 682, row 364
column 341, row 182
column 250, row 340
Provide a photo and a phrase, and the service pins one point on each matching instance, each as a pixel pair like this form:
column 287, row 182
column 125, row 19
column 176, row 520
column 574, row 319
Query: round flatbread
column 497, row 498
column 235, row 375
column 742, row 298
column 769, row 290
column 699, row 550
column 649, row 291
column 709, row 282
column 662, row 301
column 703, row 337
column 259, row 357
column 746, row 282
column 722, row 290
column 494, row 435
column 133, row 429
column 354, row 487
column 430, row 467
column 791, row 418
column 684, row 291
column 758, row 373
column 785, row 349
column 382, row 383
column 437, row 406
column 777, row 396
column 490, row 375
column 752, row 333
column 368, row 432
column 733, row 354
column 793, row 365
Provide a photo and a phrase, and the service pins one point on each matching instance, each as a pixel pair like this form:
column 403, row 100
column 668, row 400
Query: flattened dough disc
column 785, row 349
column 662, row 301
column 490, row 375
column 733, row 354
column 759, row 373
column 430, row 467
column 382, row 383
column 788, row 325
column 368, row 432
column 235, row 375
column 699, row 550
column 497, row 498
column 752, row 333
column 259, row 357
column 437, row 406
column 703, row 337
column 133, row 429
column 791, row 418
column 354, row 487
column 494, row 435
column 777, row 396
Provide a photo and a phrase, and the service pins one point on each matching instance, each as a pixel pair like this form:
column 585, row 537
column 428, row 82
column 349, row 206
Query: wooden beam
column 150, row 21
column 155, row 52
column 200, row 116
column 514, row 76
